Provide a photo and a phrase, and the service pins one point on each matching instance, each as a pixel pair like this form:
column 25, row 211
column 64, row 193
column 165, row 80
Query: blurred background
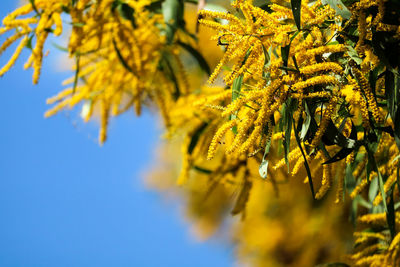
column 66, row 201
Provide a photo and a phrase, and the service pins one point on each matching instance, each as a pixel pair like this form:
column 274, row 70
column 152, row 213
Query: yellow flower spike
column 220, row 15
column 395, row 242
column 225, row 95
column 58, row 22
column 59, row 96
column 213, row 25
column 222, row 62
column 105, row 107
column 9, row 41
column 14, row 57
column 21, row 11
column 218, row 136
column 360, row 187
column 377, row 219
column 162, row 104
column 243, row 127
column 234, row 106
column 322, row 67
column 38, row 56
column 116, row 101
column 369, row 95
column 317, row 35
column 64, row 103
column 278, row 136
column 340, row 187
column 249, row 19
column 362, row 32
column 369, row 260
column 323, row 79
column 186, row 163
column 362, row 237
column 251, row 140
column 297, row 166
column 293, row 155
column 368, row 250
column 182, row 75
column 326, row 179
column 312, row 95
column 321, row 50
column 23, row 23
column 44, row 22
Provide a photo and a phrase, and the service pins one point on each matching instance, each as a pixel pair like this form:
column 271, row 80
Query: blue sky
column 65, row 201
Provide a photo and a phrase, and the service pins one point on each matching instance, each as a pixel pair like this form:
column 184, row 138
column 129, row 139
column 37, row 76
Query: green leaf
column 339, row 7
column 173, row 16
column 296, row 134
column 196, row 137
column 287, row 125
column 78, row 24
column 120, row 57
column 214, row 7
column 296, row 9
column 353, row 54
column 202, row 170
column 242, row 198
column 127, row 12
column 198, row 56
column 77, row 66
column 390, row 216
column 236, row 87
column 373, row 190
column 306, row 124
column 59, row 47
column 360, row 200
column 34, row 6
column 29, row 42
column 285, row 55
column 155, row 7
column 263, row 169
column 344, row 152
column 333, row 136
column 169, row 71
column 392, row 13
column 385, row 47
column 349, row 181
column 372, row 163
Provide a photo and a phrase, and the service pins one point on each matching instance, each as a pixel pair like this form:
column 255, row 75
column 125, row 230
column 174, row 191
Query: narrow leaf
column 127, row 12
column 339, row 7
column 202, row 170
column 296, row 9
column 390, row 216
column 195, row 137
column 120, row 57
column 242, row 198
column 34, row 6
column 371, row 160
column 310, row 181
column 236, row 87
column 198, row 56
